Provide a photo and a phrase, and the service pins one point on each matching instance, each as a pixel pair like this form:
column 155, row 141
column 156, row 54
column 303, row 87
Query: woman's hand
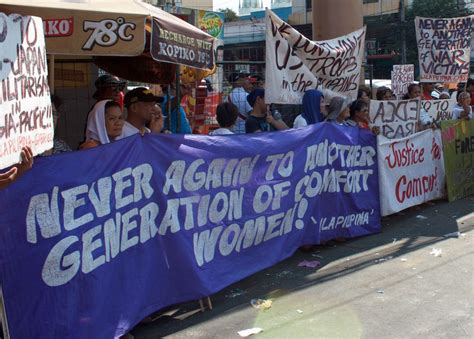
column 17, row 170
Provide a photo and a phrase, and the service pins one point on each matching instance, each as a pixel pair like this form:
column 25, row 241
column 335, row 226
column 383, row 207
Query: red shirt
column 427, row 96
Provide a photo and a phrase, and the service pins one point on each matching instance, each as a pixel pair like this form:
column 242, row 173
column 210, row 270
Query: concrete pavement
column 386, row 285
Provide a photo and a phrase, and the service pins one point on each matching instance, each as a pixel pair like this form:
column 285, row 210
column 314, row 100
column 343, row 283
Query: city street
column 388, row 285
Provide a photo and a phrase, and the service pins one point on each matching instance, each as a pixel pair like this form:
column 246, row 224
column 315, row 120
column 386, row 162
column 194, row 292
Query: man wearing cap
column 260, row 118
column 142, row 109
column 108, row 87
column 238, row 96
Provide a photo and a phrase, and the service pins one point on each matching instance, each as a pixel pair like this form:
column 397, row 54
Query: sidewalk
column 387, row 285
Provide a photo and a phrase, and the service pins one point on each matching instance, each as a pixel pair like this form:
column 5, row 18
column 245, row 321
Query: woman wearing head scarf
column 105, row 124
column 338, row 111
column 311, row 109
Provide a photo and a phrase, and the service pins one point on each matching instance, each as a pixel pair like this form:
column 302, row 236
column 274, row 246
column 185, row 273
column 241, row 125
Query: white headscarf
column 96, row 129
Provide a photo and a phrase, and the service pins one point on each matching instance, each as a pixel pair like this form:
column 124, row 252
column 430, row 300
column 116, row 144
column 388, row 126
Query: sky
column 234, row 4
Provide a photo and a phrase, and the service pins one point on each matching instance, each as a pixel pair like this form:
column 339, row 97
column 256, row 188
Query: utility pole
column 402, row 22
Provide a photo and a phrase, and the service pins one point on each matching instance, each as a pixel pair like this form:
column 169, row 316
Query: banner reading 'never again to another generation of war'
column 130, row 227
column 295, row 64
column 458, row 146
column 411, row 170
column 444, row 48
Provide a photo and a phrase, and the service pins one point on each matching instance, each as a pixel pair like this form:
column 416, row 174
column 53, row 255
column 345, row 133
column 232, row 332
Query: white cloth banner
column 444, row 48
column 25, row 105
column 295, row 64
column 395, row 118
column 402, row 76
column 411, row 170
column 438, row 110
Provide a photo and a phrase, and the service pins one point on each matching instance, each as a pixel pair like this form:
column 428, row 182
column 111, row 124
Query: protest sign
column 123, row 229
column 411, row 170
column 395, row 118
column 25, row 106
column 295, row 64
column 458, row 146
column 438, row 110
column 444, row 48
column 402, row 76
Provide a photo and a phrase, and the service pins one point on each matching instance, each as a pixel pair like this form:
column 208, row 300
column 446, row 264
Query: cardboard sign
column 458, row 146
column 439, row 110
column 402, row 76
column 395, row 118
column 25, row 104
column 122, row 229
column 295, row 64
column 411, row 170
column 444, row 48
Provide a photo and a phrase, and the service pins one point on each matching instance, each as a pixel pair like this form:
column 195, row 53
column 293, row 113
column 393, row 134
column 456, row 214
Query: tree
column 229, row 14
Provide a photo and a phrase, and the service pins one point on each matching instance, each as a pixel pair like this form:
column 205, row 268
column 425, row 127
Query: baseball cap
column 236, row 76
column 142, row 94
column 108, row 80
column 252, row 97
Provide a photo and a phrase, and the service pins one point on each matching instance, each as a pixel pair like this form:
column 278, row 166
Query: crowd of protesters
column 115, row 116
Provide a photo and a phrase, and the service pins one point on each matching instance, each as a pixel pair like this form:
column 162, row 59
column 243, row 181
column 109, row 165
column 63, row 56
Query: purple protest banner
column 94, row 241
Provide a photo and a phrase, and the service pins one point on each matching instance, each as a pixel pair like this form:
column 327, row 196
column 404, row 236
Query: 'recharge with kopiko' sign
column 444, row 48
column 25, row 104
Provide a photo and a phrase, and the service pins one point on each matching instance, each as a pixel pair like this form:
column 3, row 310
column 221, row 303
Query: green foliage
column 229, row 14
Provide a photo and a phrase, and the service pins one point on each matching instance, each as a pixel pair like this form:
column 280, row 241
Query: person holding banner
column 414, row 92
column 359, row 115
column 463, row 110
column 105, row 124
column 311, row 109
column 16, row 171
column 141, row 105
column 260, row 118
column 339, row 112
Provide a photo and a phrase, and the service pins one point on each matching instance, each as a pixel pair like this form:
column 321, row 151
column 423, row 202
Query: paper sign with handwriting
column 295, row 64
column 25, row 104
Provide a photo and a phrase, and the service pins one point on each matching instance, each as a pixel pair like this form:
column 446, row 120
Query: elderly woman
column 463, row 110
column 105, row 124
column 414, row 92
column 338, row 111
column 311, row 109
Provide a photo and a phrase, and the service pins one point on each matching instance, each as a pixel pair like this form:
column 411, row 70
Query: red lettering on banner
column 435, row 150
column 407, row 156
column 406, row 189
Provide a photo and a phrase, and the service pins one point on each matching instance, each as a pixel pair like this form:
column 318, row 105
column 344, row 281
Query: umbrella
column 118, row 28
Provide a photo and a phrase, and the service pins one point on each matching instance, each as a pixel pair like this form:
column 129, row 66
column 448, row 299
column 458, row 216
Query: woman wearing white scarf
column 104, row 125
